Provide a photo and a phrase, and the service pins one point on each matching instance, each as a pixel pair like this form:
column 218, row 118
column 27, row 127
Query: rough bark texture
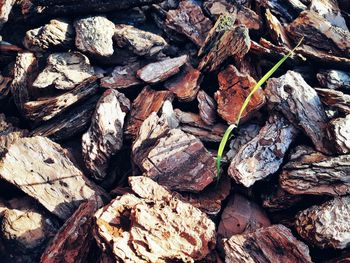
column 234, row 89
column 57, row 35
column 335, row 99
column 64, row 71
column 317, row 174
column 300, row 104
column 207, row 108
column 44, row 171
column 147, row 101
column 138, row 41
column 224, row 40
column 277, row 31
column 173, row 158
column 186, row 84
column 189, row 20
column 339, row 130
column 134, row 227
column 271, row 244
column 95, row 35
column 327, row 225
column 73, row 240
column 105, row 136
column 334, row 79
column 160, row 71
column 241, row 216
column 46, row 109
column 264, row 154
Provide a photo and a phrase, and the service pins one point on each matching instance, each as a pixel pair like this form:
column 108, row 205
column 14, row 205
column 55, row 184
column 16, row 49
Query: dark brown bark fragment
column 207, row 108
column 335, row 99
column 334, row 79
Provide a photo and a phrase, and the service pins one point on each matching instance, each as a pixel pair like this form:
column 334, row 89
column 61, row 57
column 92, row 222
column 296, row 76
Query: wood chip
column 339, row 130
column 105, row 135
column 64, row 71
column 265, row 245
column 335, row 99
column 134, row 227
column 161, row 70
column 280, row 200
column 301, row 105
column 234, row 89
column 44, row 172
column 277, row 31
column 264, row 154
column 327, row 225
column 334, row 79
column 207, row 108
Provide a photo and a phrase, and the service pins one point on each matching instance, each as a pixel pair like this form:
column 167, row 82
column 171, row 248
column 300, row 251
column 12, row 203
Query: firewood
column 207, row 108
column 68, row 124
column 316, row 174
column 234, row 89
column 327, row 225
column 161, row 70
column 156, row 148
column 105, row 135
column 334, row 79
column 241, row 216
column 44, row 172
column 300, row 104
column 5, row 9
column 265, row 245
column 57, row 35
column 72, row 242
column 224, row 40
column 335, row 99
column 263, row 155
column 147, row 101
column 129, row 224
column 138, row 41
column 339, row 130
column 64, row 71
column 46, row 109
column 123, row 77
column 189, row 20
column 95, row 36
column 186, row 84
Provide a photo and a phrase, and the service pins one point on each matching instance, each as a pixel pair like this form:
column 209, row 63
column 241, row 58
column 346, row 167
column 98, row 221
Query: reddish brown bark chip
column 153, row 226
column 234, row 89
column 241, row 216
column 161, row 70
column 207, row 108
column 72, row 242
column 271, row 244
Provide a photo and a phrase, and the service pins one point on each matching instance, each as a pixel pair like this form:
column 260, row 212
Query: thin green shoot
column 227, row 134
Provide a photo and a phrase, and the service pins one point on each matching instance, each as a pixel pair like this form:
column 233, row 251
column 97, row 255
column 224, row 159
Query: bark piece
column 266, row 245
column 57, row 35
column 207, row 108
column 5, row 84
column 95, row 35
column 145, row 228
column 300, row 104
column 335, row 99
column 189, row 20
column 105, row 136
column 224, row 40
column 277, row 31
column 339, row 130
column 147, row 101
column 44, row 172
column 46, row 109
column 73, row 240
column 24, row 74
column 317, row 174
column 161, row 70
column 68, row 124
column 241, row 216
column 64, row 71
column 171, row 157
column 334, row 79
column 123, row 77
column 264, row 154
column 5, row 10
column 234, row 89
column 286, row 10
column 186, row 84
column 138, row 41
column 327, row 225
column 319, row 33
column 280, row 200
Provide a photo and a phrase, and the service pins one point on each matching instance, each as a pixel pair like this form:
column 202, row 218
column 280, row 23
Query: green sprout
column 227, row 134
